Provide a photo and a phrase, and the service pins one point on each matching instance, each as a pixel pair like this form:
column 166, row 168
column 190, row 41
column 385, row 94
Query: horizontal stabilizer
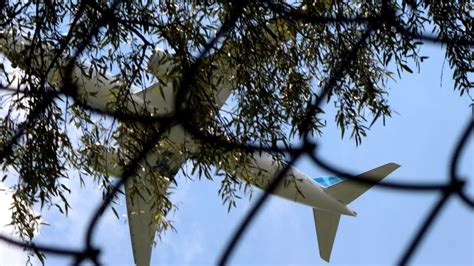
column 326, row 228
column 348, row 190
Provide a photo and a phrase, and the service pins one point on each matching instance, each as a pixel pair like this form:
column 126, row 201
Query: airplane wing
column 160, row 97
column 141, row 206
column 140, row 198
column 96, row 89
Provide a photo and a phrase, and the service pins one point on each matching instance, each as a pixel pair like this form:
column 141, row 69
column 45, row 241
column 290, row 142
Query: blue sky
column 420, row 137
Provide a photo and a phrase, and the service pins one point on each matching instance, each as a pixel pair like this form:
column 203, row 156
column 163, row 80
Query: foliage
column 283, row 54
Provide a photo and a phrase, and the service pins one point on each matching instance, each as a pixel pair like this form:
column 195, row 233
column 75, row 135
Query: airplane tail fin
column 345, row 191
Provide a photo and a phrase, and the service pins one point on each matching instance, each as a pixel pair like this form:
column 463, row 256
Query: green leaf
column 115, row 212
column 422, row 58
column 405, row 67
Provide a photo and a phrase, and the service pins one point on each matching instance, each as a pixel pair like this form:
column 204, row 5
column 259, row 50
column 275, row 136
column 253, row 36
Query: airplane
column 327, row 196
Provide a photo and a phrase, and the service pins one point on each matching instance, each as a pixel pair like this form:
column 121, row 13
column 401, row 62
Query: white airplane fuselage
column 295, row 185
column 328, row 198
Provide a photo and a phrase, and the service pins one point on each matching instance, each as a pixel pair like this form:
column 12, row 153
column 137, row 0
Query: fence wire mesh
column 454, row 186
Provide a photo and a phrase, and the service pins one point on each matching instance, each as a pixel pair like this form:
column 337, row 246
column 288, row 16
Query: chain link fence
column 454, row 186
